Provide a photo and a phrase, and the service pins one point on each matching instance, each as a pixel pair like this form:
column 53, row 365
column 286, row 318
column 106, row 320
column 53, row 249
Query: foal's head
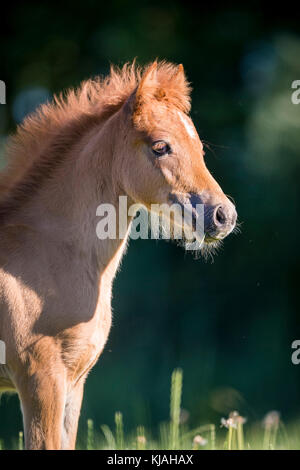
column 166, row 154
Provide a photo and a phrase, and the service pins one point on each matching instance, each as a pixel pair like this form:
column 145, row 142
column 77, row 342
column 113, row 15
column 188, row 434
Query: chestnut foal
column 129, row 134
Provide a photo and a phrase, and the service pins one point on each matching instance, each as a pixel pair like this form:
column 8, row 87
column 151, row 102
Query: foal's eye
column 160, row 147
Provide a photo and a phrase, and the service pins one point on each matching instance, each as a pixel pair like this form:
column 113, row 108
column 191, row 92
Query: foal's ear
column 145, row 89
column 148, row 82
column 179, row 75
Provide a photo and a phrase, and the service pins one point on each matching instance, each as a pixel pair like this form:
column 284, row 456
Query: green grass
column 232, row 433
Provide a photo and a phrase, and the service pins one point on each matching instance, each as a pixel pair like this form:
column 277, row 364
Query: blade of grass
column 111, row 442
column 175, row 402
column 20, row 446
column 90, row 434
column 141, row 438
column 119, row 430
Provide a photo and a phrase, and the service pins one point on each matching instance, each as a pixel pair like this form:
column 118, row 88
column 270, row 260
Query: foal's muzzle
column 219, row 219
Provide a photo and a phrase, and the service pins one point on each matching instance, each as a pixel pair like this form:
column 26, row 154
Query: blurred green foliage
column 230, row 324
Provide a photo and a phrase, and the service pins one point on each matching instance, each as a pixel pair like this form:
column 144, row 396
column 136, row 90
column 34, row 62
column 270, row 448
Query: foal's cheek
column 170, row 170
column 168, row 176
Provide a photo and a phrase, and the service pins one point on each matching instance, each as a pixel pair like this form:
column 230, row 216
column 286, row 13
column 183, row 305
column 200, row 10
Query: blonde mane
column 40, row 142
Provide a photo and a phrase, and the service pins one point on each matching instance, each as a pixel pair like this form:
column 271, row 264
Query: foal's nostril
column 220, row 216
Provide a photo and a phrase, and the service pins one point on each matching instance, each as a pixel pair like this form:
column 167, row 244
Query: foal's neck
column 65, row 207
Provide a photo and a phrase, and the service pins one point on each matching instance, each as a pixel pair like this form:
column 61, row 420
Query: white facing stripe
column 189, row 127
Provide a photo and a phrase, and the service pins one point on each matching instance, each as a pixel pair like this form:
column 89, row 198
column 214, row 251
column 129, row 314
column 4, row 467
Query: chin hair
column 204, row 250
column 198, row 248
column 209, row 250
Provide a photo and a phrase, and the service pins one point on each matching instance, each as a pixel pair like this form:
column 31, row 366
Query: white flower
column 271, row 420
column 233, row 420
column 228, row 423
column 199, row 440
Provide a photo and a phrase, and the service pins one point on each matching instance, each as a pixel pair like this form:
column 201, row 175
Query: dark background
column 229, row 324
